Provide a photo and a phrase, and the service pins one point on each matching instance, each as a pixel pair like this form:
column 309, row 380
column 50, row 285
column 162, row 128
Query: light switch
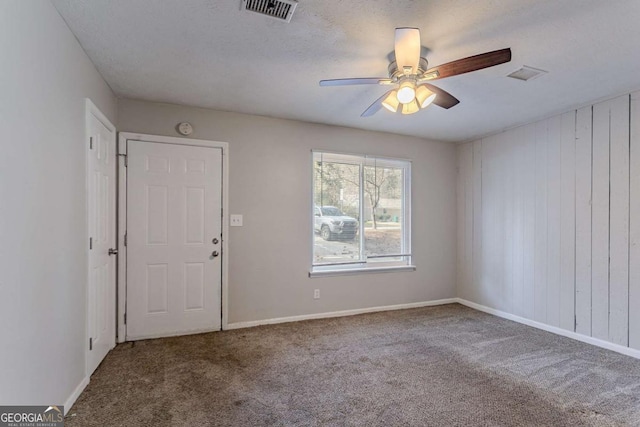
column 236, row 220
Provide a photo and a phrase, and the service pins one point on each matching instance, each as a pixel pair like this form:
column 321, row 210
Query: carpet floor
column 435, row 366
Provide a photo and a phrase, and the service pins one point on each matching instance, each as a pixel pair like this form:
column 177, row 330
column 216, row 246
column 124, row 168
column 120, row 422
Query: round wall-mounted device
column 185, row 128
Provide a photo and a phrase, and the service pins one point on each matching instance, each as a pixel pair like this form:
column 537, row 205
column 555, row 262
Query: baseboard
column 553, row 329
column 75, row 394
column 239, row 325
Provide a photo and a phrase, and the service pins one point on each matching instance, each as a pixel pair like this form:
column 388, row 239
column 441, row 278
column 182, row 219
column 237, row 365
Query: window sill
column 360, row 270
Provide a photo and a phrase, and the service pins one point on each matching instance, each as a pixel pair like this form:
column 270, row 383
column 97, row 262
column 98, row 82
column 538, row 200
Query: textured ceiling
column 209, row 53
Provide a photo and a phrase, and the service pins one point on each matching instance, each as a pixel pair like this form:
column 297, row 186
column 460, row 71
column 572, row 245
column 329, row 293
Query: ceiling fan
column 410, row 73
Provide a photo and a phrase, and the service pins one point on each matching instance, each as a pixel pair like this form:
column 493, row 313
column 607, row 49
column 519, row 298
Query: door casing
column 123, row 137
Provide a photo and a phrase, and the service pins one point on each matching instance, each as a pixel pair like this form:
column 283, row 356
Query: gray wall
column 549, row 221
column 44, row 78
column 270, row 184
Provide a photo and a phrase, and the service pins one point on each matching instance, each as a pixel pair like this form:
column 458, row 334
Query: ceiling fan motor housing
column 396, row 73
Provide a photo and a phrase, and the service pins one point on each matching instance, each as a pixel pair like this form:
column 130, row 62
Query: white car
column 332, row 224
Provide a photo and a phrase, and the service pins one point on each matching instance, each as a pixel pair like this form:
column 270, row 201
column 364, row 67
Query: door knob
column 113, row 251
column 215, row 254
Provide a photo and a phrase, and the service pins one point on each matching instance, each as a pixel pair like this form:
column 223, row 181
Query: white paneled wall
column 549, row 221
column 583, row 184
column 634, row 224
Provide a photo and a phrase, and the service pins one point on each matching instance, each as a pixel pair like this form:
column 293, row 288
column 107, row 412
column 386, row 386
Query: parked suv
column 332, row 224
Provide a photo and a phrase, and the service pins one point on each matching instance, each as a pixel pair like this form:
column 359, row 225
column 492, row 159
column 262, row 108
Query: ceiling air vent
column 282, row 10
column 526, row 73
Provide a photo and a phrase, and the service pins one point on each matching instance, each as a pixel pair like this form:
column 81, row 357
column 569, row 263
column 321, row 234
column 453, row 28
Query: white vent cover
column 526, row 73
column 282, row 10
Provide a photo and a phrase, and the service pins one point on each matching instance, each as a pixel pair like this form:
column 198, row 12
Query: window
column 361, row 213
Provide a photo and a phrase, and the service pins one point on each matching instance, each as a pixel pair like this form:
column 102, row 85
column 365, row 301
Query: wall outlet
column 316, row 294
column 235, row 220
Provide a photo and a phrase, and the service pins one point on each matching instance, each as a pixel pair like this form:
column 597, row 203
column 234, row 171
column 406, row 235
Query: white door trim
column 123, row 137
column 90, row 110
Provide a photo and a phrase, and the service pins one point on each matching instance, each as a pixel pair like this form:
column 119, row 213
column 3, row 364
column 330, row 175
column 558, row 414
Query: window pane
column 358, row 215
column 336, row 199
column 383, row 198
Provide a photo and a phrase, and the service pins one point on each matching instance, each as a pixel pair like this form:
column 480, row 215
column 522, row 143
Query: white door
column 101, row 168
column 174, row 239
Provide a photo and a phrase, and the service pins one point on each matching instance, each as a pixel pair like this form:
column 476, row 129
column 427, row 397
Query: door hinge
column 575, row 322
column 125, row 318
column 125, row 242
column 90, row 143
column 90, row 243
column 90, row 343
column 126, row 163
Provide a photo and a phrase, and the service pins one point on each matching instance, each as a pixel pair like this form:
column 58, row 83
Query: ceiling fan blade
column 357, row 81
column 472, row 63
column 376, row 106
column 407, row 49
column 443, row 98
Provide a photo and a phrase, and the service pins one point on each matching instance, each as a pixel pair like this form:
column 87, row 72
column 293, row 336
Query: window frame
column 365, row 265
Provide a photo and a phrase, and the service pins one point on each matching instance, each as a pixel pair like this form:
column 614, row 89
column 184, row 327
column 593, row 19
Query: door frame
column 123, row 137
column 92, row 111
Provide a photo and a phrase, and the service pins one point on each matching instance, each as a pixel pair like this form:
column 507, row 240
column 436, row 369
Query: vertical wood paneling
column 619, row 217
column 503, row 228
column 477, row 220
column 600, row 222
column 584, row 152
column 468, row 177
column 460, row 229
column 554, row 136
column 568, row 220
column 518, row 159
column 465, row 218
column 550, row 223
column 508, row 146
column 491, row 289
column 529, row 233
column 540, row 255
column 634, row 224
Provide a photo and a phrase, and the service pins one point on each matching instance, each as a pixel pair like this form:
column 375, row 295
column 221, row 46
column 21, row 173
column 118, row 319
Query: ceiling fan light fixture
column 391, row 102
column 406, row 92
column 410, row 107
column 424, row 96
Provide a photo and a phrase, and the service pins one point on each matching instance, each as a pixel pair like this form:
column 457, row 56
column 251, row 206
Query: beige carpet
column 437, row 366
